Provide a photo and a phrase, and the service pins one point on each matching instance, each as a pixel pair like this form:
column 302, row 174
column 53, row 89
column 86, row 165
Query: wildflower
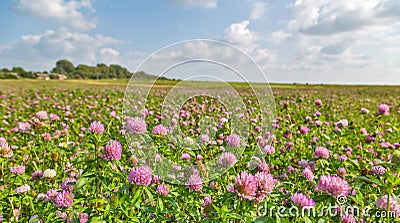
column 49, row 173
column 263, row 167
column 5, row 150
column 51, row 194
column 348, row 219
column 96, row 127
column 379, row 170
column 265, row 182
column 334, row 186
column 112, row 151
column 162, row 190
column 41, row 115
column 204, row 138
column 245, row 186
column 321, row 152
column 22, row 189
column 140, row 175
column 66, row 186
column 185, row 156
column 227, row 159
column 308, row 174
column 23, row 126
column 303, row 129
column 207, row 201
column 302, row 201
column 17, row 170
column 233, row 140
column 364, row 111
column 159, row 130
column 83, row 217
column 268, row 149
column 383, row 109
column 342, row 172
column 136, row 126
column 318, row 102
column 194, row 182
column 64, row 199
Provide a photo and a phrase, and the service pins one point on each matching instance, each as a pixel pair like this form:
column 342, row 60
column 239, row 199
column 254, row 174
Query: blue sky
column 312, row 41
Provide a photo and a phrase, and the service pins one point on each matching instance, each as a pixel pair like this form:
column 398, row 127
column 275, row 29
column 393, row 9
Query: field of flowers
column 65, row 156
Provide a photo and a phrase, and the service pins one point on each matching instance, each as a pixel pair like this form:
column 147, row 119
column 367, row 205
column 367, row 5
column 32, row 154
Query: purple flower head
column 17, row 170
column 24, row 126
column 268, row 149
column 41, row 115
column 321, row 152
column 194, row 182
column 37, row 175
column 66, row 186
column 318, row 102
column 22, row 189
column 334, row 186
column 342, row 172
column 162, row 190
column 342, row 123
column 308, row 174
column 227, row 159
column 263, row 167
column 64, row 199
column 379, row 170
column 51, row 194
column 112, row 151
column 265, row 182
column 302, row 201
column 364, row 111
column 233, row 140
column 185, row 156
column 303, row 129
column 96, row 127
column 159, row 130
column 303, row 163
column 207, row 201
column 383, row 109
column 136, row 125
column 245, row 186
column 348, row 219
column 342, row 158
column 140, row 175
column 83, row 217
column 204, row 138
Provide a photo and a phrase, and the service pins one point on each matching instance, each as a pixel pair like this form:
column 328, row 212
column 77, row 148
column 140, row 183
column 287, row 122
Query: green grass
column 120, row 84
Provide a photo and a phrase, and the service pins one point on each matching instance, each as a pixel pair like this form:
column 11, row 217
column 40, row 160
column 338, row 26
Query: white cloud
column 258, row 9
column 239, row 34
column 52, row 45
column 109, row 56
column 279, row 36
column 66, row 13
column 338, row 41
column 323, row 17
column 195, row 3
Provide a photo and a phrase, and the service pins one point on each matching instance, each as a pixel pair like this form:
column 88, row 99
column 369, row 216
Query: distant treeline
column 82, row 71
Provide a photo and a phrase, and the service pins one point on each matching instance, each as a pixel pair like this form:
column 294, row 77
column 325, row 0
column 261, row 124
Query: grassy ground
column 121, row 84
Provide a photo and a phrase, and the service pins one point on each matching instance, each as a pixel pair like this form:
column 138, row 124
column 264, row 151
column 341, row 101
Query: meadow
column 70, row 154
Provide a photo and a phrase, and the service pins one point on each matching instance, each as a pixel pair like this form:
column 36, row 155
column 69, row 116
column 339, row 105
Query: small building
column 61, row 76
column 43, row 76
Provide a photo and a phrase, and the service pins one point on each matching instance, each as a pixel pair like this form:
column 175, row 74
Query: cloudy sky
column 313, row 41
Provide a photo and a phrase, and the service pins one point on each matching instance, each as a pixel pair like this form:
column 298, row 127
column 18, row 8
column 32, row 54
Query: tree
column 64, row 67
